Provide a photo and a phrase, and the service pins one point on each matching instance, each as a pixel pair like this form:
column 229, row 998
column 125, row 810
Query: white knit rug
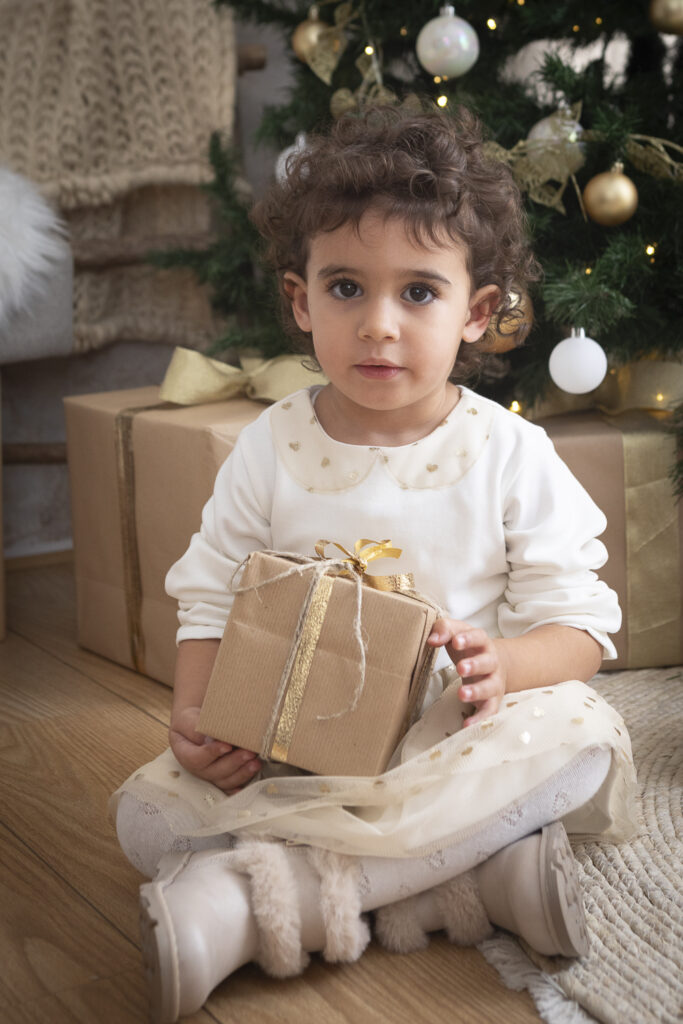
column 633, row 892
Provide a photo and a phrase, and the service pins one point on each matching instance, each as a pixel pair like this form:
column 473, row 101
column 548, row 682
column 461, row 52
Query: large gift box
column 289, row 680
column 140, row 472
column 624, row 462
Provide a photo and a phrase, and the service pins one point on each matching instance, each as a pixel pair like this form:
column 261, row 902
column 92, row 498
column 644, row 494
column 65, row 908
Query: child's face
column 387, row 315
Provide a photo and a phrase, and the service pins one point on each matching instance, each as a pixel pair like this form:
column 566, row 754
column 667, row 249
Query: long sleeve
column 551, row 531
column 235, row 522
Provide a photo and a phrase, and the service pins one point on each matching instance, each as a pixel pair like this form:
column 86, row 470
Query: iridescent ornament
column 447, row 45
column 610, row 198
column 555, row 144
column 578, row 364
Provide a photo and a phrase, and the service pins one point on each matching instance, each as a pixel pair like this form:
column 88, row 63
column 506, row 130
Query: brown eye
column 345, row 289
column 419, row 294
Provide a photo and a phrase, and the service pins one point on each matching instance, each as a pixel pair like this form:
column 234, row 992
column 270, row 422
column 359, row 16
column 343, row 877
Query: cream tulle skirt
column 444, row 782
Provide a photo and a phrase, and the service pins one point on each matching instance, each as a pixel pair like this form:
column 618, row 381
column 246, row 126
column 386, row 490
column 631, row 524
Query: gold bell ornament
column 509, row 329
column 306, row 36
column 667, row 16
column 610, row 198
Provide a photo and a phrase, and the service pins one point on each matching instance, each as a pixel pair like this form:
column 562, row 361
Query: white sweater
column 491, row 522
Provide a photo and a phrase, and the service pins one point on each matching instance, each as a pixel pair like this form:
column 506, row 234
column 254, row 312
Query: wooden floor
column 72, row 726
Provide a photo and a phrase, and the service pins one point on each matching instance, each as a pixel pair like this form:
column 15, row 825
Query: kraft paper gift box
column 624, row 461
column 140, row 472
column 288, row 669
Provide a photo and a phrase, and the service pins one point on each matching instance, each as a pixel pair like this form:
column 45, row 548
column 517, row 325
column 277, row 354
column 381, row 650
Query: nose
column 378, row 321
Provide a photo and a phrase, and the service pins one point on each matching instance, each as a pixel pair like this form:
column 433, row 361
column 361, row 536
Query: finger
column 233, row 769
column 469, row 639
column 444, row 630
column 483, row 689
column 198, row 756
column 471, row 666
column 487, row 710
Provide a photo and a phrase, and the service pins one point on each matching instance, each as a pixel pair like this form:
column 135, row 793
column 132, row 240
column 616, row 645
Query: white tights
column 145, row 836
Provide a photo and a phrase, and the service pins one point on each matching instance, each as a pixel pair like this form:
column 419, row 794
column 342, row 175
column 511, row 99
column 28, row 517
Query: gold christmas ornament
column 610, row 198
column 511, row 328
column 667, row 16
column 306, row 36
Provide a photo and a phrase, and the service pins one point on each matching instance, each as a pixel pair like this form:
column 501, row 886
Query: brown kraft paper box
column 242, row 706
column 174, row 455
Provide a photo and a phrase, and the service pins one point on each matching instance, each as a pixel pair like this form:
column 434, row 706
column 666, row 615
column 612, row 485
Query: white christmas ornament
column 447, row 45
column 577, row 364
column 297, row 147
column 558, row 138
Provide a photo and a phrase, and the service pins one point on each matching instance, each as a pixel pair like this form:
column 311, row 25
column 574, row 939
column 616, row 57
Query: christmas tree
column 593, row 133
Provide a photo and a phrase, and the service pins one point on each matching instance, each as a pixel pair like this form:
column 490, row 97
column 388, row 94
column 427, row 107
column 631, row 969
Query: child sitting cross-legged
column 395, row 240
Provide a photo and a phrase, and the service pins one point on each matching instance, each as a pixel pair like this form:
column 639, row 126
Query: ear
column 482, row 306
column 297, row 291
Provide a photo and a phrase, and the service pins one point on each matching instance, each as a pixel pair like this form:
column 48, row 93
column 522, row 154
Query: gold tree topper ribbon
column 366, row 551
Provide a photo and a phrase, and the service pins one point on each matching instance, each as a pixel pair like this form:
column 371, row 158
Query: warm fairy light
column 369, row 50
column 589, row 270
column 404, row 31
column 437, row 79
column 515, row 406
column 598, row 21
column 575, row 28
column 659, row 396
column 520, row 3
column 442, row 101
column 492, row 24
column 650, row 249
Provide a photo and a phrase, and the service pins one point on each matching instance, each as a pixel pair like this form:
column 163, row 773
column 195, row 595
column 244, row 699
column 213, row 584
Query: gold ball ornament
column 610, row 198
column 306, row 36
column 667, row 16
column 509, row 329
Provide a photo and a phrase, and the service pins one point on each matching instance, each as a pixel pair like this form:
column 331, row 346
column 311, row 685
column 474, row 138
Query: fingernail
column 465, row 667
column 460, row 640
column 467, row 693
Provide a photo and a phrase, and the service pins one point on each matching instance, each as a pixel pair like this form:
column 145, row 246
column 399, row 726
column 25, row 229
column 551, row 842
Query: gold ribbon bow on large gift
column 193, row 378
column 365, row 551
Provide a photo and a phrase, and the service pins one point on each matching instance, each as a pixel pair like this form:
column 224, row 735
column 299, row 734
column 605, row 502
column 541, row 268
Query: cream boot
column 530, row 888
column 206, row 914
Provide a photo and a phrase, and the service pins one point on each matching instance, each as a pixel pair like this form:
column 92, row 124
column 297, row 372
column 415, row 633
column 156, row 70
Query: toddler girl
column 394, row 240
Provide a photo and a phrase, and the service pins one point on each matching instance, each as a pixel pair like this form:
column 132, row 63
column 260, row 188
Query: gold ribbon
column 195, row 379
column 365, row 551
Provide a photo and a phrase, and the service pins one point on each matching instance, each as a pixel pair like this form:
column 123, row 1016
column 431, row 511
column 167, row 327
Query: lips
column 378, row 371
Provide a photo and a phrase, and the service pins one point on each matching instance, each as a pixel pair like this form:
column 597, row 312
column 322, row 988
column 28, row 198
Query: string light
column 589, row 270
column 404, row 31
column 492, row 24
column 659, row 396
column 369, row 50
column 437, row 79
column 442, row 100
column 520, row 3
column 515, row 406
column 575, row 28
column 650, row 249
column 598, row 21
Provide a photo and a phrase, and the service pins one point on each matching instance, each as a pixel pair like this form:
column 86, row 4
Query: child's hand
column 227, row 767
column 477, row 661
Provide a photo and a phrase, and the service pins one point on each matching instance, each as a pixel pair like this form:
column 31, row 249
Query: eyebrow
column 424, row 273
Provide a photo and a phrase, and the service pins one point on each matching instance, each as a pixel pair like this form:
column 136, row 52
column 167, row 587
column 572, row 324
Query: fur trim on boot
column 455, row 905
column 346, row 931
column 275, row 904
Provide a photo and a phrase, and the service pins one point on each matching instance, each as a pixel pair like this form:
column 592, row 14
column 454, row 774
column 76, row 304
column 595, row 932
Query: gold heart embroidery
column 473, row 412
column 325, row 462
column 294, row 445
column 286, row 405
column 432, row 467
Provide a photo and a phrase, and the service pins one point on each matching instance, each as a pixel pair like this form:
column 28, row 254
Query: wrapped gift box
column 624, row 462
column 288, row 681
column 140, row 472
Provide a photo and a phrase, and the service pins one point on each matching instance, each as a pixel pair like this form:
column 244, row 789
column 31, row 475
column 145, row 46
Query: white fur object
column 32, row 240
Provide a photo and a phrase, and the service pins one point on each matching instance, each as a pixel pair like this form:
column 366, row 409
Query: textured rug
column 633, row 892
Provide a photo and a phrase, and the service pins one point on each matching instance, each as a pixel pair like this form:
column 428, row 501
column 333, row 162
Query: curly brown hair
column 428, row 170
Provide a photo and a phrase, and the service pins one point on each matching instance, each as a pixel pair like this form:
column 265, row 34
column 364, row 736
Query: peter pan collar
column 320, row 464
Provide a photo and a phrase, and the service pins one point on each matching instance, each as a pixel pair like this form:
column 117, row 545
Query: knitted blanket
column 98, row 97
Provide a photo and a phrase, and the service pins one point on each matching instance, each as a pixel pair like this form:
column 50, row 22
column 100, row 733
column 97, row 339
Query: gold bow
column 365, row 551
column 193, row 378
